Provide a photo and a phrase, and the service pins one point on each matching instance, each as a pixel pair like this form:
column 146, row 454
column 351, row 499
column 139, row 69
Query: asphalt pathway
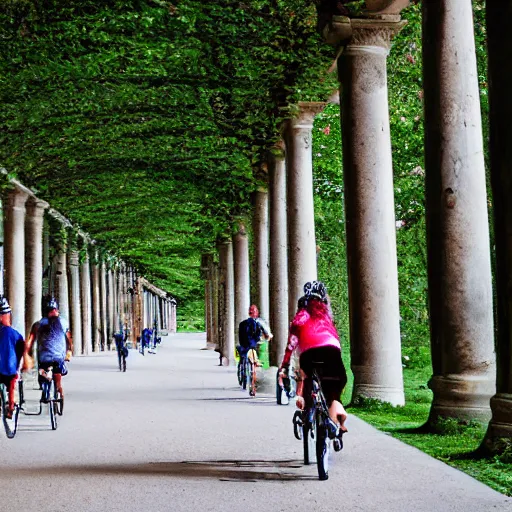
column 175, row 433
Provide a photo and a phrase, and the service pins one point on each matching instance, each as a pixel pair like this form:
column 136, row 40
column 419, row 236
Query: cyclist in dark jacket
column 250, row 332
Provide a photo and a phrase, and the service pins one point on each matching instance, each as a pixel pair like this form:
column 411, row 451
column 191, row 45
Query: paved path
column 175, row 433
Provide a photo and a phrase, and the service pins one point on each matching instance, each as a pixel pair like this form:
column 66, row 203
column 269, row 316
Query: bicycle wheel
column 322, row 448
column 245, row 373
column 309, row 437
column 52, row 405
column 21, row 393
column 252, row 378
column 239, row 371
column 10, row 424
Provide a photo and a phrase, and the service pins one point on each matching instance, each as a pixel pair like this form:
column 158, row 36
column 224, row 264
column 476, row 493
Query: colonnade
column 459, row 264
column 157, row 308
column 97, row 293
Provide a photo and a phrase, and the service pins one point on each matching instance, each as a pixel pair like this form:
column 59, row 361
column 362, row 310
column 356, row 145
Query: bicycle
column 50, row 396
column 246, row 370
column 314, row 427
column 10, row 424
column 242, row 371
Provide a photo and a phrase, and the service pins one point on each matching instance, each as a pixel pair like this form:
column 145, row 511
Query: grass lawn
column 453, row 445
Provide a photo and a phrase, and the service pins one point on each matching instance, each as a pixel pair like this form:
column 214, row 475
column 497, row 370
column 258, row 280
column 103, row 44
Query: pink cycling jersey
column 307, row 332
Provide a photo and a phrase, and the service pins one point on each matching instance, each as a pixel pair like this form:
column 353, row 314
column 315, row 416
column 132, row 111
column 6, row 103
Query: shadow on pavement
column 223, row 470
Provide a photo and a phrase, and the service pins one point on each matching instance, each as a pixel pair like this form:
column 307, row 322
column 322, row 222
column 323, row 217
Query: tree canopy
column 144, row 120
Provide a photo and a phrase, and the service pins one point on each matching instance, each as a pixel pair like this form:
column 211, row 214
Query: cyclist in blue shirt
column 12, row 346
column 54, row 344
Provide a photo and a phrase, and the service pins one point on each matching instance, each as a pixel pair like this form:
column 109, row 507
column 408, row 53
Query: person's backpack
column 249, row 332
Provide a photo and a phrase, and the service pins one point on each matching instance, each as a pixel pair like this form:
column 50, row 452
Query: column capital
column 241, row 229
column 372, row 32
column 306, row 113
column 17, row 198
column 278, row 150
column 36, row 207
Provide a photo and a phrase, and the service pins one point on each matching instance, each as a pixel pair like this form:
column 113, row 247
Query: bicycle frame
column 315, row 424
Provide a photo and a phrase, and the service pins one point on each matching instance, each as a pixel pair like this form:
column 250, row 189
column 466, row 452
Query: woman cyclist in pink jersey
column 313, row 334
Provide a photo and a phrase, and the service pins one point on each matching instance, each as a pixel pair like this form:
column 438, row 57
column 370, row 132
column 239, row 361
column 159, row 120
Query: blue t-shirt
column 51, row 339
column 11, row 350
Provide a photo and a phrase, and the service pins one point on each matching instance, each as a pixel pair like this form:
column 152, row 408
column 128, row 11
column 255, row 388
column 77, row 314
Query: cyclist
column 120, row 341
column 54, row 344
column 313, row 333
column 12, row 346
column 145, row 337
column 250, row 332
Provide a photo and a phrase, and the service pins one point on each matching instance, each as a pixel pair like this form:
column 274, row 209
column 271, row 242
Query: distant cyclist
column 12, row 347
column 54, row 343
column 121, row 348
column 145, row 337
column 250, row 332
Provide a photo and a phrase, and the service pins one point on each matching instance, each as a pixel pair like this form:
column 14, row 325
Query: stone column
column 215, row 303
column 86, row 295
column 499, row 44
column 260, row 237
column 227, row 289
column 133, row 305
column 14, row 227
column 241, row 274
column 279, row 314
column 110, row 304
column 61, row 275
column 34, row 222
column 120, row 294
column 75, row 307
column 369, row 209
column 139, row 301
column 300, row 210
column 103, row 303
column 459, row 269
column 205, row 274
column 96, row 301
column 115, row 293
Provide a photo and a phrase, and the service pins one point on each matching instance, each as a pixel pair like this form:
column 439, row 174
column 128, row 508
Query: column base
column 463, row 397
column 499, row 433
column 391, row 395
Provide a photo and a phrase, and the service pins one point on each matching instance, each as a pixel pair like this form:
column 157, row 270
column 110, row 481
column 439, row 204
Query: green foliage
column 141, row 120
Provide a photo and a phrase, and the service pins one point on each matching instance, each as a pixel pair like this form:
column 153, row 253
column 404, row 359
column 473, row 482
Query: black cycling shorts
column 59, row 367
column 7, row 379
column 330, row 369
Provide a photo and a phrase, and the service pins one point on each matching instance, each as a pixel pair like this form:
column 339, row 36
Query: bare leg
column 12, row 387
column 58, row 383
column 338, row 414
column 300, row 402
